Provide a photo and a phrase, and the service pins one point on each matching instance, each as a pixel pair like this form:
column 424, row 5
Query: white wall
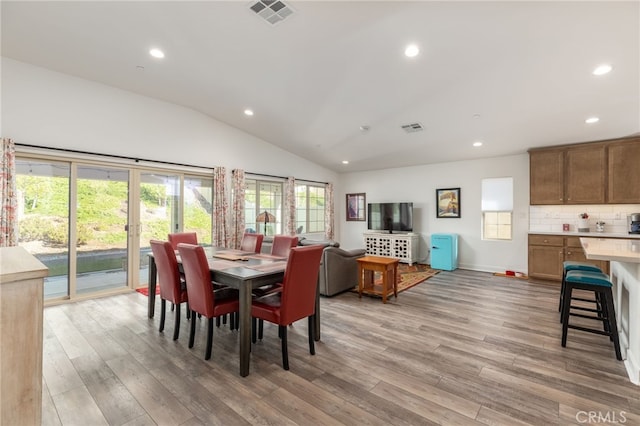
column 418, row 185
column 43, row 107
column 47, row 108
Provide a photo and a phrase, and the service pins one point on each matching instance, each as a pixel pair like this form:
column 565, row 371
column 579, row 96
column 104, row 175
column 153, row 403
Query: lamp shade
column 265, row 217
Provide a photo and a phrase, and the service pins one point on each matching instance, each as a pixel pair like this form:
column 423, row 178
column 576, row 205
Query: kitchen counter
column 612, row 249
column 588, row 234
column 624, row 257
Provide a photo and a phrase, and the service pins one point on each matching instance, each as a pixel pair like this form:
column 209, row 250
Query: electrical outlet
column 556, row 215
column 618, row 215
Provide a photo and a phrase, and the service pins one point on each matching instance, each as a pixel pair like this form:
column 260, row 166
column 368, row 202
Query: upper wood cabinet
column 569, row 175
column 546, row 175
column 624, row 172
column 591, row 173
column 585, row 174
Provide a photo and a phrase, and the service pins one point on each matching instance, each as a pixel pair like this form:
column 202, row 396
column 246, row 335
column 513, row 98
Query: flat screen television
column 390, row 217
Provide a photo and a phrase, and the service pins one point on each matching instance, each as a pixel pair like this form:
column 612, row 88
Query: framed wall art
column 448, row 203
column 356, row 207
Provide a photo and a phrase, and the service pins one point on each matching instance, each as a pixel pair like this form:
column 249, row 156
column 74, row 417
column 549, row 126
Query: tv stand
column 400, row 246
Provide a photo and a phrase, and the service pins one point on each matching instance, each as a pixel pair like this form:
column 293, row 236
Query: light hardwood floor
column 461, row 348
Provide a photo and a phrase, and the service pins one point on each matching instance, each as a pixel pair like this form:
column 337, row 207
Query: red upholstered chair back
column 168, row 273
column 282, row 244
column 198, row 277
column 182, row 237
column 300, row 284
column 251, row 242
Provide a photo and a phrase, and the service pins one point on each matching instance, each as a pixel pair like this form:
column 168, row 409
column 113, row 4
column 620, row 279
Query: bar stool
column 570, row 265
column 600, row 285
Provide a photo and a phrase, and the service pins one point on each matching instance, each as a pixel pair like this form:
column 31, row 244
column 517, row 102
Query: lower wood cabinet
column 548, row 252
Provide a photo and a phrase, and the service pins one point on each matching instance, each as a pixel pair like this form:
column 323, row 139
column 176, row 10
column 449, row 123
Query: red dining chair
column 251, row 242
column 182, row 237
column 297, row 298
column 172, row 288
column 202, row 299
column 282, row 244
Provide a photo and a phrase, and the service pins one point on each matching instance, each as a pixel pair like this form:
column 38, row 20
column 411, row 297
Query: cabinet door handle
column 546, row 241
column 569, row 253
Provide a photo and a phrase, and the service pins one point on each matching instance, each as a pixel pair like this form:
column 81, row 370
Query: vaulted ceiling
column 513, row 75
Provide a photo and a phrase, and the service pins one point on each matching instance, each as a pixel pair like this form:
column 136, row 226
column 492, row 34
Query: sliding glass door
column 102, row 215
column 43, row 219
column 159, row 201
column 91, row 223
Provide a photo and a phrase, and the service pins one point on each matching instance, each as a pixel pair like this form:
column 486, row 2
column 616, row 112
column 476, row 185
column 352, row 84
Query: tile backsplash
column 551, row 218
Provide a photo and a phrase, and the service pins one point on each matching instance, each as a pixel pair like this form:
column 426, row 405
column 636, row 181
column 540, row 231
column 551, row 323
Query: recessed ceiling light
column 602, row 69
column 592, row 120
column 411, row 51
column 365, row 128
column 345, row 162
column 248, row 112
column 477, row 143
column 156, row 53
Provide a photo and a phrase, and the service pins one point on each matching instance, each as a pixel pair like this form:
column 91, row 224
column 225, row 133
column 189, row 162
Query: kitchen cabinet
column 585, row 174
column 624, row 173
column 546, row 169
column 568, row 175
column 548, row 252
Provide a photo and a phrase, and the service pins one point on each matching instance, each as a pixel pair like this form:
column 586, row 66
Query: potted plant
column 583, row 222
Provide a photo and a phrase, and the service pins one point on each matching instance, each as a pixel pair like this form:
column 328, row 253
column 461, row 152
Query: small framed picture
column 356, row 207
column 448, row 203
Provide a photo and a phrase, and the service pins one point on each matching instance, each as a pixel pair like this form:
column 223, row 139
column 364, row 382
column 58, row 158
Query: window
column 310, row 203
column 497, row 208
column 263, row 206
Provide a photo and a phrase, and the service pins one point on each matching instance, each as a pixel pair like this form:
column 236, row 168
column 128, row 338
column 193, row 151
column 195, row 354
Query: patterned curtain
column 9, row 196
column 237, row 212
column 290, row 206
column 328, row 212
column 220, row 206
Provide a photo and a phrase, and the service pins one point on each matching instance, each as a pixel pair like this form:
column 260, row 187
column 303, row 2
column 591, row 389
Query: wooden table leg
column 151, row 287
column 385, row 283
column 316, row 317
column 360, row 279
column 245, row 327
column 395, row 280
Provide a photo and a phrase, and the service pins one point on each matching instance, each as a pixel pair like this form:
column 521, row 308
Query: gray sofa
column 338, row 267
column 338, row 270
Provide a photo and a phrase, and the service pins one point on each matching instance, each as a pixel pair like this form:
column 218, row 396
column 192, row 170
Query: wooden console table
column 367, row 266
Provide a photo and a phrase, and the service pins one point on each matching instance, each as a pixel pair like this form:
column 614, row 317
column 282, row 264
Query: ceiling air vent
column 272, row 11
column 413, row 127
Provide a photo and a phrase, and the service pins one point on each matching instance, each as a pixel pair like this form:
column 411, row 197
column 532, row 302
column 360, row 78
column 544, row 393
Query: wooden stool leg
column 564, row 318
column 613, row 326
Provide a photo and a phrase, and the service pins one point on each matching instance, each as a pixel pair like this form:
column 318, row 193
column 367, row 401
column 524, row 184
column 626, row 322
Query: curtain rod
column 283, row 177
column 122, row 157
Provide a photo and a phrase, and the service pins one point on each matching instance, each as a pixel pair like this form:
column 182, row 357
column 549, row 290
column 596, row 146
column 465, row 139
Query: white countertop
column 613, row 249
column 589, row 234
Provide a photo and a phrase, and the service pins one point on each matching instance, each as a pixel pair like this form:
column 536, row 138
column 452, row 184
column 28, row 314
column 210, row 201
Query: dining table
column 243, row 271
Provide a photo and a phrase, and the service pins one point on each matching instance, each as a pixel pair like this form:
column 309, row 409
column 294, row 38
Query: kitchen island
column 624, row 258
